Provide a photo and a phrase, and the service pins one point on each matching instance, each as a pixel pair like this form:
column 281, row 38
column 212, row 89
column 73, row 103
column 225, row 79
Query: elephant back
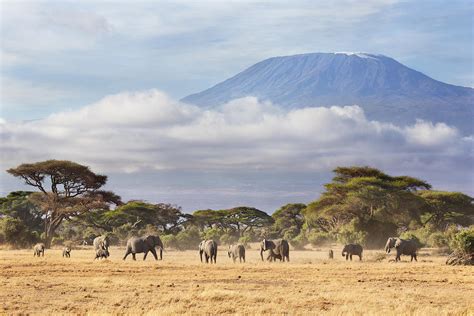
column 101, row 242
column 281, row 247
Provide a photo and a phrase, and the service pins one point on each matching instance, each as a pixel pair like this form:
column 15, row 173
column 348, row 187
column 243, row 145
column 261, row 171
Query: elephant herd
column 277, row 249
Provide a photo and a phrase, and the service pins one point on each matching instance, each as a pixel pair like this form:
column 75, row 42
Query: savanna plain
column 181, row 284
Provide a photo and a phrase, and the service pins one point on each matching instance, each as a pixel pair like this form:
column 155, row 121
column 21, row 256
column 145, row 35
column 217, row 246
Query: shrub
column 188, row 239
column 299, row 241
column 228, row 239
column 212, row 233
column 463, row 241
column 349, row 234
column 245, row 240
column 438, row 240
column 318, row 238
column 411, row 235
column 15, row 233
column 169, row 241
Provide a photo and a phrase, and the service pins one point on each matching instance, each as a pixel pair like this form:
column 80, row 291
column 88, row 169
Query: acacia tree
column 66, row 189
column 368, row 200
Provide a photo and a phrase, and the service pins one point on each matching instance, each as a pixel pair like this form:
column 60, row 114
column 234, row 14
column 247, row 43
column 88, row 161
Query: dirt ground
column 309, row 284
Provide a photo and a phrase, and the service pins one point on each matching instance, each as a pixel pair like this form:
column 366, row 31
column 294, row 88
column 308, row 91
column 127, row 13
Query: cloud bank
column 140, row 131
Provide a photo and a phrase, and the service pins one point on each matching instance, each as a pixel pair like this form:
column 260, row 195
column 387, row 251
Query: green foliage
column 212, row 233
column 446, row 208
column 188, row 239
column 349, row 234
column 228, row 239
column 245, row 240
column 317, row 238
column 15, row 233
column 463, row 241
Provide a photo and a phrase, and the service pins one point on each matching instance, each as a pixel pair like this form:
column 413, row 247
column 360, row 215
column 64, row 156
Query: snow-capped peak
column 358, row 54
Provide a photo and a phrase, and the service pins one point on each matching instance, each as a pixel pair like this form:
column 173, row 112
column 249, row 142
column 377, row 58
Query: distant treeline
column 360, row 205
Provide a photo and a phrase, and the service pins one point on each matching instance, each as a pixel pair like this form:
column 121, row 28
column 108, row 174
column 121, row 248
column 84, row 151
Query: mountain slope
column 384, row 88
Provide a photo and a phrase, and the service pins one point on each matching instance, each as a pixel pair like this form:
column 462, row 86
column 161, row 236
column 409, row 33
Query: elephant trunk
column 343, row 254
column 261, row 252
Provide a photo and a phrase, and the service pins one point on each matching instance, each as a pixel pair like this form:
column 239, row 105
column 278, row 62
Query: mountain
column 387, row 90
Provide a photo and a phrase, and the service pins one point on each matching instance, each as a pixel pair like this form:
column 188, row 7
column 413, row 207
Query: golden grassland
column 309, row 284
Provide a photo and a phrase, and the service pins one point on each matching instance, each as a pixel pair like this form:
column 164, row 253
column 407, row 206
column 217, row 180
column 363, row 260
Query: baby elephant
column 101, row 253
column 236, row 251
column 38, row 250
column 67, row 252
column 352, row 249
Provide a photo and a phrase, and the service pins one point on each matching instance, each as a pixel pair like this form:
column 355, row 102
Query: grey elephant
column 38, row 250
column 67, row 252
column 101, row 253
column 352, row 249
column 101, row 242
column 209, row 249
column 403, row 247
column 144, row 245
column 236, row 251
column 279, row 249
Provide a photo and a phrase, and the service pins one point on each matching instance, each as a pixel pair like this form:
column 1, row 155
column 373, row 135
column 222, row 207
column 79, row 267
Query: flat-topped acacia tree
column 66, row 189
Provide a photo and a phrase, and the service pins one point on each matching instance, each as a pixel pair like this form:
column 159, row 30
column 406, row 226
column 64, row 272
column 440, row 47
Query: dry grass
column 310, row 284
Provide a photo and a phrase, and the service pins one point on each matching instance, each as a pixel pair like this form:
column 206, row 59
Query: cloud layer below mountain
column 148, row 130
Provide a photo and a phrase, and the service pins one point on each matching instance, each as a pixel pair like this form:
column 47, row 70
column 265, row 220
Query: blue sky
column 98, row 82
column 59, row 55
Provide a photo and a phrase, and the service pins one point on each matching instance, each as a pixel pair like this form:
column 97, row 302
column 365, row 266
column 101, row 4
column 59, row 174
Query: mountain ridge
column 386, row 89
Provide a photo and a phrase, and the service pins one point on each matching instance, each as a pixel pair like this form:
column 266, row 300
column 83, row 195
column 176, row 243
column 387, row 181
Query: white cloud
column 147, row 130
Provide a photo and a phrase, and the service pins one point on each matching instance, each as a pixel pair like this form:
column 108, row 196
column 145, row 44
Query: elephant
column 38, row 250
column 352, row 249
column 209, row 248
column 279, row 249
column 67, row 252
column 331, row 254
column 101, row 253
column 403, row 247
column 236, row 251
column 101, row 242
column 144, row 244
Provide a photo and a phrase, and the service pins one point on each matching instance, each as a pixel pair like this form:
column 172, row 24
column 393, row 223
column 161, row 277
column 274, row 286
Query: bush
column 438, row 240
column 15, row 233
column 228, row 239
column 463, row 241
column 349, row 234
column 411, row 235
column 299, row 241
column 245, row 240
column 212, row 233
column 318, row 238
column 188, row 239
column 169, row 241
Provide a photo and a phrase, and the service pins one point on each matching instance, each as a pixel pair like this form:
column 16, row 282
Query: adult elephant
column 209, row 249
column 279, row 249
column 403, row 247
column 144, row 245
column 352, row 249
column 101, row 242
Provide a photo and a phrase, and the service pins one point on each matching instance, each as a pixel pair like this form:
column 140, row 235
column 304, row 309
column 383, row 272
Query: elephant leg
column 206, row 257
column 126, row 254
column 161, row 253
column 347, row 257
column 360, row 257
column 351, row 257
column 133, row 256
column 144, row 256
column 288, row 258
column 153, row 252
column 414, row 256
